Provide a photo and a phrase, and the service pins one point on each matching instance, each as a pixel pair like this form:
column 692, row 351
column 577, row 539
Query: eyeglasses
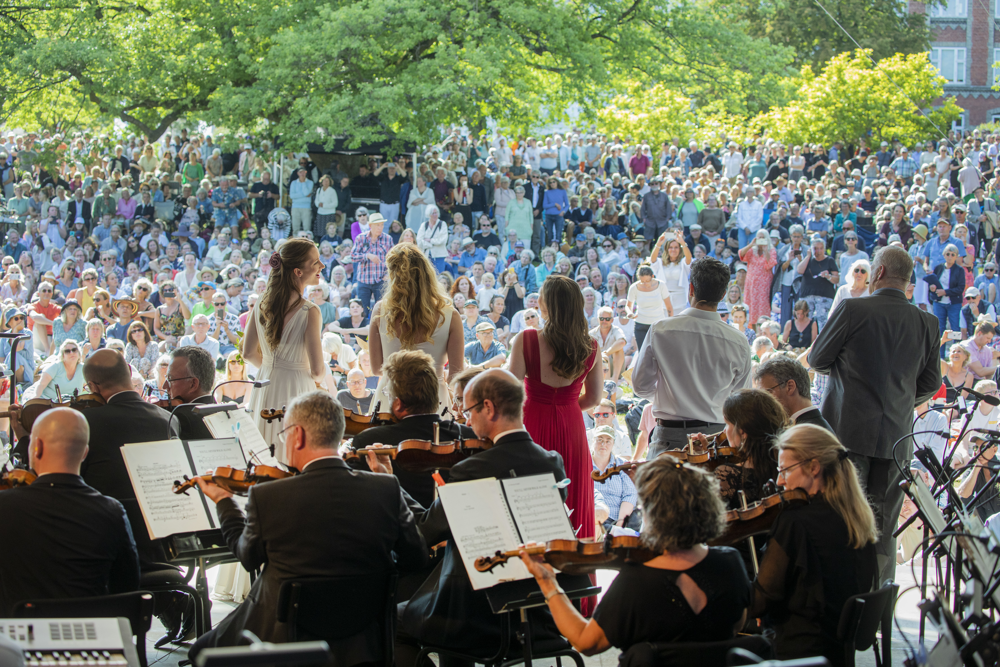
column 235, row 361
column 281, row 434
column 860, row 270
column 172, row 380
column 770, row 389
column 531, row 317
column 608, row 246
column 605, row 319
column 468, row 413
column 356, row 382
column 205, row 289
column 89, row 279
column 219, row 304
column 45, row 291
column 72, row 349
column 951, row 254
column 783, row 471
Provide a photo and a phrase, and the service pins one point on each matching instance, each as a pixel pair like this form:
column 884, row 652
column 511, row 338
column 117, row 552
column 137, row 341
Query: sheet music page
column 241, row 424
column 481, row 525
column 537, row 508
column 211, row 454
column 153, row 467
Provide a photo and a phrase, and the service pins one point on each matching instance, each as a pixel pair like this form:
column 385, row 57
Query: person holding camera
column 788, row 261
column 174, row 315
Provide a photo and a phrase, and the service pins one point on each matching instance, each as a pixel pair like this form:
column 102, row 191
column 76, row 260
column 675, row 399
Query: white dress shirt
column 689, row 364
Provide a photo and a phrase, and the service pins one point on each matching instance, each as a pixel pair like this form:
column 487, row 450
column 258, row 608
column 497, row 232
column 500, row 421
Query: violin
column 717, row 453
column 11, row 479
column 578, row 556
column 425, row 455
column 32, row 410
column 354, row 423
column 236, row 481
column 758, row 517
column 169, row 403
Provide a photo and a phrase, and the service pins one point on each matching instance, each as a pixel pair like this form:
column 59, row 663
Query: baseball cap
column 604, row 430
column 971, row 292
column 581, row 237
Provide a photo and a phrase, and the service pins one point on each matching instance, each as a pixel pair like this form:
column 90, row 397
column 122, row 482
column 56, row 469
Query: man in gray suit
column 881, row 354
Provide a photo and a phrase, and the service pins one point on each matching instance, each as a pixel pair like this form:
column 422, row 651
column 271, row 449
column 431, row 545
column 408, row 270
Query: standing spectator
column 326, row 206
column 432, row 236
column 820, row 276
column 648, row 303
column 882, row 355
column 300, row 191
column 947, row 294
column 369, row 255
column 657, row 210
column 556, row 205
column 390, row 183
column 749, row 216
column 761, row 258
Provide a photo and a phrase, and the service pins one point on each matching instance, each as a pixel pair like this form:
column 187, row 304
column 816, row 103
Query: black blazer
column 529, row 190
column 882, row 356
column 420, row 486
column 63, row 539
column 955, row 289
column 85, row 213
column 815, row 417
column 190, row 425
column 126, row 419
column 329, row 521
column 446, row 611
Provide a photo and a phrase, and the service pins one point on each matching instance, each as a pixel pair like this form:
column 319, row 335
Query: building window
column 959, row 125
column 953, row 9
column 993, row 65
column 951, row 64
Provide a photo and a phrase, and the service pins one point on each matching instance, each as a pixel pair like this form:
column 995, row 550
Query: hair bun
column 275, row 261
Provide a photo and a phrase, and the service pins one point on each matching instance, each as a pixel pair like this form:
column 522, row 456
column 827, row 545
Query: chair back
column 685, row 654
column 311, row 605
column 136, row 606
column 862, row 615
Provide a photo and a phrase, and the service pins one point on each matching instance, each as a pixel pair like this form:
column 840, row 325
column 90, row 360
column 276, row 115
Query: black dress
column 800, row 339
column 644, row 604
column 808, row 573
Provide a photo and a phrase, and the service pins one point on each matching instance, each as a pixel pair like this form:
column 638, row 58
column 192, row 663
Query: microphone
column 989, row 431
column 203, row 410
column 257, row 384
column 989, row 400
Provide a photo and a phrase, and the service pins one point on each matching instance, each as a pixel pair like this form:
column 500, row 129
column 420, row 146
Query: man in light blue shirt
column 470, row 255
column 301, row 190
column 485, row 352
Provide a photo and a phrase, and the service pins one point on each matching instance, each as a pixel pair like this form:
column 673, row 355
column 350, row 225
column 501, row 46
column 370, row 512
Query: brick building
column 965, row 42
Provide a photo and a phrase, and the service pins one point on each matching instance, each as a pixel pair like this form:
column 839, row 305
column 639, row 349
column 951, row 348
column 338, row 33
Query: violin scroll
column 270, row 415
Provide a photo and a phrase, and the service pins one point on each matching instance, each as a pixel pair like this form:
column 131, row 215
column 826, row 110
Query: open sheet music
column 153, row 467
column 490, row 515
column 240, row 424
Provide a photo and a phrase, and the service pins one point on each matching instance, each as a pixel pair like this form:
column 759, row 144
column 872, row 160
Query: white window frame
column 954, row 9
column 958, row 56
column 959, row 124
column 996, row 58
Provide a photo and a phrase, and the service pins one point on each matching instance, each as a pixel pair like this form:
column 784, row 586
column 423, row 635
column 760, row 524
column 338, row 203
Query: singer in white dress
column 414, row 314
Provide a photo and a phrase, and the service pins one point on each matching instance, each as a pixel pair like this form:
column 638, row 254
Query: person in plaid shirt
column 369, row 261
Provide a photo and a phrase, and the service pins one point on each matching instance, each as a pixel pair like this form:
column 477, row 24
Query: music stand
column 524, row 594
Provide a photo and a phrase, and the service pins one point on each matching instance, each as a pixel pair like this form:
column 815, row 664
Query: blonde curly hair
column 414, row 302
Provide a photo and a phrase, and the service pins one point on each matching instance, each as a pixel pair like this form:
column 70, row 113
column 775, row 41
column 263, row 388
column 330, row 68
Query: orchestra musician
column 63, row 539
column 414, row 384
column 690, row 592
column 190, row 378
column 446, row 611
column 753, row 418
column 788, row 381
column 328, row 521
column 818, row 554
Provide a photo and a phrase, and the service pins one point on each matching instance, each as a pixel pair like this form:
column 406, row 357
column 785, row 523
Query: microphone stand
column 202, row 409
column 257, row 384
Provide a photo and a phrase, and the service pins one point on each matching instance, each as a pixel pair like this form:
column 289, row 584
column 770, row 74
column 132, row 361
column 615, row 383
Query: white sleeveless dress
column 288, row 370
column 437, row 347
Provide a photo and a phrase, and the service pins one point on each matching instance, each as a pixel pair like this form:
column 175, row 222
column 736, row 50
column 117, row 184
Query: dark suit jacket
column 815, row 417
column 190, row 425
column 528, row 194
column 85, row 213
column 420, row 485
column 955, row 289
column 126, row 419
column 329, row 521
column 882, row 356
column 63, row 539
column 446, row 611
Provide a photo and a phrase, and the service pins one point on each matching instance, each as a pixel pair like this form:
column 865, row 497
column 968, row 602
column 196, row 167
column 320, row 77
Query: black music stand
column 523, row 595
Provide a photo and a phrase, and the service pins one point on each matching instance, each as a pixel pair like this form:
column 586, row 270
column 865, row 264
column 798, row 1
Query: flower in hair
column 275, row 261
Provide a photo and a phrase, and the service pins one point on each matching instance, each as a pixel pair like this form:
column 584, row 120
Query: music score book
column 239, row 424
column 490, row 515
column 154, row 466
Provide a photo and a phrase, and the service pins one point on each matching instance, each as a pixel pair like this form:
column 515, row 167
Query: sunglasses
column 604, row 415
column 860, row 271
column 206, row 289
column 605, row 319
column 72, row 349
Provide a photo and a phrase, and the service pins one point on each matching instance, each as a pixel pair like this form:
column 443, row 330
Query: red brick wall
column 981, row 59
column 978, row 107
column 917, row 8
column 949, row 34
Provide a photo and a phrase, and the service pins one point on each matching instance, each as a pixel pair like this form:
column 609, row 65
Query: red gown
column 554, row 421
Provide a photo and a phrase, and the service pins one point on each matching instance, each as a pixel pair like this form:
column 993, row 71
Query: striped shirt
column 616, row 489
column 365, row 270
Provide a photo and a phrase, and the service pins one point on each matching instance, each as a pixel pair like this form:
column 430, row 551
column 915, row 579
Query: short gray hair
column 320, row 416
column 761, row 343
column 897, row 262
column 796, row 229
column 783, row 369
column 200, row 365
column 771, row 327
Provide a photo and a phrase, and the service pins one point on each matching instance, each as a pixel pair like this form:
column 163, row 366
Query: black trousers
column 880, row 480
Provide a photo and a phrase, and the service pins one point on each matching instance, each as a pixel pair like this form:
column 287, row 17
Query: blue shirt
column 301, row 193
column 467, row 260
column 553, row 197
column 475, row 353
column 23, row 358
column 226, row 215
column 616, row 489
column 934, row 249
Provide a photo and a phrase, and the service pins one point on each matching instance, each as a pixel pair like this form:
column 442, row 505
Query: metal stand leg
column 526, row 632
column 204, row 602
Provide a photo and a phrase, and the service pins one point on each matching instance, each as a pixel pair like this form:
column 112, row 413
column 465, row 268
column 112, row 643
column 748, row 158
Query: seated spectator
column 611, row 340
column 485, row 352
column 200, row 337
column 141, row 351
column 618, row 491
column 24, row 358
column 605, row 415
column 357, row 397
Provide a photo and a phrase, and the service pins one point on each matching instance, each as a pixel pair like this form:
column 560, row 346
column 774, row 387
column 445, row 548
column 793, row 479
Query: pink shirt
column 984, row 355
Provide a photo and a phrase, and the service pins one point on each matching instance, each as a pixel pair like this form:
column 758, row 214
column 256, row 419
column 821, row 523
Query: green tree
column 852, row 100
column 884, row 26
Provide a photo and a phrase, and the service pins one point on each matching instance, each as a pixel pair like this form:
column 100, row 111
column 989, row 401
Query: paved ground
column 907, row 617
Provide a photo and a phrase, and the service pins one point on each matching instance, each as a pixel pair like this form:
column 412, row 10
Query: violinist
column 753, row 418
column 690, row 592
column 414, row 382
column 328, row 521
column 190, row 379
column 618, row 491
column 818, row 554
column 446, row 611
column 63, row 538
column 788, row 381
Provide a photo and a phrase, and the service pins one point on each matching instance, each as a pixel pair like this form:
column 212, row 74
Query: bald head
column 501, row 388
column 891, row 267
column 108, row 373
column 59, row 440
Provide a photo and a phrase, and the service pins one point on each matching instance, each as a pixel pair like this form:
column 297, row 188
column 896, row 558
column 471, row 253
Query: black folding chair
column 861, row 618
